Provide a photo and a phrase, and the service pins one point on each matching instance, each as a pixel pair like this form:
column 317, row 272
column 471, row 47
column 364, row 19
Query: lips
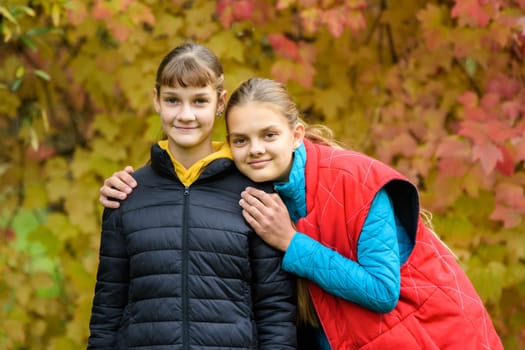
column 185, row 128
column 257, row 164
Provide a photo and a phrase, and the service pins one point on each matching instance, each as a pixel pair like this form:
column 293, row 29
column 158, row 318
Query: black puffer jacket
column 181, row 269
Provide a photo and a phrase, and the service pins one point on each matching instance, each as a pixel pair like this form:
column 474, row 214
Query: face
column 187, row 117
column 262, row 141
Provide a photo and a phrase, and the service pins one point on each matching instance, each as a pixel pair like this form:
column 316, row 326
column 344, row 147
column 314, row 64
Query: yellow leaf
column 80, row 207
column 33, row 138
column 62, row 343
column 15, row 329
column 58, row 224
column 57, row 188
column 35, row 196
column 55, row 14
column 19, row 72
column 6, row 32
column 330, row 101
column 167, row 25
column 226, row 45
column 78, row 275
column 101, row 147
column 81, row 163
column 199, row 21
column 56, row 167
column 23, row 294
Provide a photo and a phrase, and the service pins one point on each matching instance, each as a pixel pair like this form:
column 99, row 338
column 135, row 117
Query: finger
column 250, row 209
column 125, row 177
column 116, row 182
column 129, row 169
column 109, row 192
column 256, row 196
column 107, row 203
column 250, row 220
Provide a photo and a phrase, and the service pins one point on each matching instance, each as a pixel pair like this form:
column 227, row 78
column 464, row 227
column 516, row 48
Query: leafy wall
column 434, row 88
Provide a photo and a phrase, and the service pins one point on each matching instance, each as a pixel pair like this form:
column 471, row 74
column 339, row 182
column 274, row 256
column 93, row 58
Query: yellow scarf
column 188, row 176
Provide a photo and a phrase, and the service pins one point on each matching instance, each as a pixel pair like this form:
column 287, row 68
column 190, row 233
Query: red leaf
column 284, row 47
column 509, row 216
column 500, row 132
column 42, row 153
column 230, row 11
column 452, row 167
column 511, row 194
column 101, row 11
column 8, row 234
column 490, row 100
column 469, row 99
column 512, row 109
column 474, row 130
column 506, row 166
column 470, row 9
column 243, row 9
column 225, row 12
column 489, row 155
column 520, row 149
column 503, row 85
column 452, row 148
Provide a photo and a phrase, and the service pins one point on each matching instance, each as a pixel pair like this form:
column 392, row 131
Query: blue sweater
column 373, row 281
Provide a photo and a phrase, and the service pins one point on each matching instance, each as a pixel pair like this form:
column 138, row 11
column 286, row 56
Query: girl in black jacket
column 179, row 266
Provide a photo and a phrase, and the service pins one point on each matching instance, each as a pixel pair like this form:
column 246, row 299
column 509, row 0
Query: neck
column 188, row 157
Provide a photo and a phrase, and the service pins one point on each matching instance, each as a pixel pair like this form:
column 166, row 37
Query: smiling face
column 262, row 141
column 187, row 116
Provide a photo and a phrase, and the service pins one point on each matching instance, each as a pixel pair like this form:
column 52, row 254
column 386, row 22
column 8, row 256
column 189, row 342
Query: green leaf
column 488, row 279
column 28, row 42
column 43, row 75
column 471, row 66
column 16, row 84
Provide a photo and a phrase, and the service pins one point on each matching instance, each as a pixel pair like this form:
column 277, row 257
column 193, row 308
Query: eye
column 171, row 100
column 238, row 141
column 271, row 135
column 201, row 101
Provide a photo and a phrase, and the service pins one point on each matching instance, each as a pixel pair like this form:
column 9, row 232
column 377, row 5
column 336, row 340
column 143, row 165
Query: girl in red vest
column 374, row 276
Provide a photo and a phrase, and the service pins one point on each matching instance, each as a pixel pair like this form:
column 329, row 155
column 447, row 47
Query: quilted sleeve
column 373, row 281
column 111, row 290
column 274, row 297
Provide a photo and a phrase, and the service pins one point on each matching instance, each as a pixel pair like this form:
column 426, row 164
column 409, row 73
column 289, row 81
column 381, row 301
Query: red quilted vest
column 438, row 307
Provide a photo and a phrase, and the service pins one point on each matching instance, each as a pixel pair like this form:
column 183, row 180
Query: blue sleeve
column 373, row 281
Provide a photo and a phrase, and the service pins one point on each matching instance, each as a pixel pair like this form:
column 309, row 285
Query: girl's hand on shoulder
column 268, row 216
column 118, row 186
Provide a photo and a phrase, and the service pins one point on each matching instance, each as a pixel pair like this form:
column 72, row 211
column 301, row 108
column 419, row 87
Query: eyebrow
column 171, row 93
column 269, row 128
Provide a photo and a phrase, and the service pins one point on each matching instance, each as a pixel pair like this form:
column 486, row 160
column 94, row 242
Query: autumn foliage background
column 434, row 88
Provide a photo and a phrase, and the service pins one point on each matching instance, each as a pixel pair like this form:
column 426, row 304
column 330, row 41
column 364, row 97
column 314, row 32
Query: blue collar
column 293, row 191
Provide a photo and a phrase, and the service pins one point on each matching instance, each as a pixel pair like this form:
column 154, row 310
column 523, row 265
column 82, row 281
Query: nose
column 186, row 113
column 256, row 148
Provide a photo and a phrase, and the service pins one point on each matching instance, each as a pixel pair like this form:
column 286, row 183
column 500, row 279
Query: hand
column 118, row 186
column 267, row 215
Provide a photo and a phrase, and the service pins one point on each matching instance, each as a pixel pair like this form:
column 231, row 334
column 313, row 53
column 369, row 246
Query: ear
column 221, row 103
column 156, row 102
column 298, row 134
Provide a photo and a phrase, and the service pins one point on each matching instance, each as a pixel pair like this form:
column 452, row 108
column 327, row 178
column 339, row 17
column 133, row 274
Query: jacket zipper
column 185, row 263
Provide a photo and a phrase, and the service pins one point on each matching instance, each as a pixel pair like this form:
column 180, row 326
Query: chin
column 258, row 177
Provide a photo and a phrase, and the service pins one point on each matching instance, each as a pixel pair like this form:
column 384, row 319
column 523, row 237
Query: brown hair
column 190, row 65
column 271, row 92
